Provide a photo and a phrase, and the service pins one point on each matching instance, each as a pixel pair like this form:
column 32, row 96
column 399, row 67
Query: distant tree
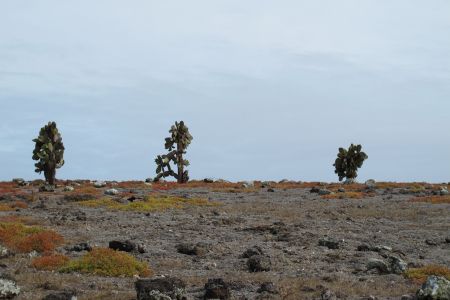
column 176, row 144
column 49, row 152
column 348, row 162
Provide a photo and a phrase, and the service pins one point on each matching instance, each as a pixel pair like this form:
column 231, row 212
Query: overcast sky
column 269, row 89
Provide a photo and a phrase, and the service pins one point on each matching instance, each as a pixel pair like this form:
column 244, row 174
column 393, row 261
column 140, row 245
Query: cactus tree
column 349, row 161
column 176, row 144
column 49, row 152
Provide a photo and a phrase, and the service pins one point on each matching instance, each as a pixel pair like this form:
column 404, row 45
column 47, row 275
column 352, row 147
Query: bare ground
column 286, row 224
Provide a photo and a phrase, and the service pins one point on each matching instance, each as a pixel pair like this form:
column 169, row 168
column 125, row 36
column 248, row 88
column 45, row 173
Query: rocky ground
column 263, row 240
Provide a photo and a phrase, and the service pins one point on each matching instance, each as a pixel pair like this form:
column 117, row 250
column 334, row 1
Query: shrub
column 180, row 139
column 22, row 238
column 108, row 262
column 349, row 161
column 150, row 203
column 49, row 152
column 420, row 275
column 50, row 262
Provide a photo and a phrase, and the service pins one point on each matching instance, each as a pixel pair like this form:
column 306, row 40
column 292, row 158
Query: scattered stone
column 265, row 184
column 99, row 184
column 378, row 264
column 394, row 265
column 283, row 181
column 259, row 263
column 126, row 246
column 431, row 242
column 329, row 243
column 364, row 247
column 255, row 250
column 443, row 191
column 323, row 192
column 18, row 180
column 435, row 288
column 217, row 289
column 371, row 184
column 159, row 289
column 268, row 287
column 68, row 188
column 208, row 180
column 111, row 192
column 47, row 188
column 248, row 184
column 341, row 190
column 349, row 181
column 328, row 295
column 61, row 296
column 314, row 190
column 79, row 247
column 149, row 180
column 8, row 288
column 397, row 265
column 198, row 249
column 4, row 252
column 408, row 297
column 270, row 190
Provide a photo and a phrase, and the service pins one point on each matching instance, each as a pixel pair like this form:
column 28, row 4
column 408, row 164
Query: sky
column 268, row 89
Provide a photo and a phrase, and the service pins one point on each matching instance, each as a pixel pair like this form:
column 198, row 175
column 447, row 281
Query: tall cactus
column 349, row 161
column 176, row 144
column 49, row 152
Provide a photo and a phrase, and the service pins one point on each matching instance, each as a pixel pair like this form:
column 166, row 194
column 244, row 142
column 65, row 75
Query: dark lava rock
column 328, row 295
column 364, row 247
column 198, row 249
column 270, row 190
column 314, row 190
column 80, row 247
column 61, row 296
column 148, row 289
column 255, row 250
column 259, row 263
column 329, row 243
column 208, row 180
column 217, row 289
column 268, row 287
column 47, row 188
column 323, row 192
column 126, row 246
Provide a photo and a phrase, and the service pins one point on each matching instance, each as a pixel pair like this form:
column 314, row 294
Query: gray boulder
column 111, row 192
column 435, row 288
column 159, row 289
column 99, row 184
column 8, row 289
column 259, row 263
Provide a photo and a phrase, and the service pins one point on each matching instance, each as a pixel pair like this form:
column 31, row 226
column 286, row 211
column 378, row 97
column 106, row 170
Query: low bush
column 108, row 262
column 149, row 204
column 21, row 238
column 420, row 275
column 51, row 262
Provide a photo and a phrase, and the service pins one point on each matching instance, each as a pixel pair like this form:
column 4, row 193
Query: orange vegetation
column 420, row 275
column 51, row 262
column 22, row 238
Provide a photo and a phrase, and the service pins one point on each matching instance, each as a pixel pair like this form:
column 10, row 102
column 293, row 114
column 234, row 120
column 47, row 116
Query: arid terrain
column 308, row 240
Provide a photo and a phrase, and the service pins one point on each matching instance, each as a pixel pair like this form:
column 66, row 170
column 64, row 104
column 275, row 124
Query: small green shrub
column 108, row 262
